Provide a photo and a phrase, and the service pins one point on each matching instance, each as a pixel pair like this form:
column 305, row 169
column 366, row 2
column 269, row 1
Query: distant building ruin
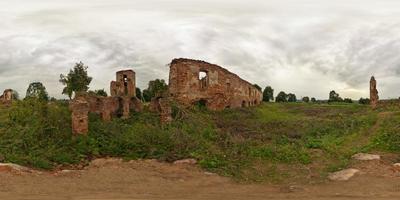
column 374, row 98
column 7, row 97
column 197, row 82
column 122, row 101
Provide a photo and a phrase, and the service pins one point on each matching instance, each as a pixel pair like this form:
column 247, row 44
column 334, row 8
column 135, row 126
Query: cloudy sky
column 307, row 47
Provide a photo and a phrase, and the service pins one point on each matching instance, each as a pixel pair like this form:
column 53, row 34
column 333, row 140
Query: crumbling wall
column 162, row 105
column 192, row 82
column 374, row 98
column 7, row 96
column 121, row 102
column 106, row 107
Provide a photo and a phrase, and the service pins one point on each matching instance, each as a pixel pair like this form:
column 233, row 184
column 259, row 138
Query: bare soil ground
column 149, row 179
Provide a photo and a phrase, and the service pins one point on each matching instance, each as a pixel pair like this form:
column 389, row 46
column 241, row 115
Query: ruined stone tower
column 125, row 84
column 122, row 101
column 125, row 88
column 374, row 98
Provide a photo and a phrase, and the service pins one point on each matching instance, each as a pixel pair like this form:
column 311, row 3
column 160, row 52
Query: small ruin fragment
column 197, row 82
column 7, row 97
column 162, row 106
column 122, row 101
column 374, row 98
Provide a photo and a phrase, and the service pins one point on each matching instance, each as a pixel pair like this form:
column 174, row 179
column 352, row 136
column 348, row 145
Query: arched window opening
column 203, row 78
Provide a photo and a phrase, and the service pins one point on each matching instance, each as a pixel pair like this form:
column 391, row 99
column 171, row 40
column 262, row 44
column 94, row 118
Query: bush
column 364, row 101
column 231, row 142
column 306, row 99
column 348, row 100
column 36, row 134
column 282, row 97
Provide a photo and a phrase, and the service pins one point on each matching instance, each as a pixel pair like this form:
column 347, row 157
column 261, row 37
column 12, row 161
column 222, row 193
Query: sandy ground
column 117, row 180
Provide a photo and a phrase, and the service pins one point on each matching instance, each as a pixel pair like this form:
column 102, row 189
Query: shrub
column 364, row 101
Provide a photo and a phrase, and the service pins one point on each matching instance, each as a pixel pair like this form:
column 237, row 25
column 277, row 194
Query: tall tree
column 334, row 97
column 291, row 97
column 77, row 80
column 313, row 100
column 37, row 90
column 306, row 99
column 15, row 95
column 282, row 97
column 139, row 93
column 268, row 94
column 100, row 92
column 155, row 87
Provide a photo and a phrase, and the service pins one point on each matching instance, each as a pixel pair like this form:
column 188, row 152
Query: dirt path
column 114, row 179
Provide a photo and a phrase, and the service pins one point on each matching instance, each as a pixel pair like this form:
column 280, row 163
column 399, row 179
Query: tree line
column 78, row 80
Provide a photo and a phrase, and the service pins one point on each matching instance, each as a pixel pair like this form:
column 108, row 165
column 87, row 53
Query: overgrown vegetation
column 271, row 142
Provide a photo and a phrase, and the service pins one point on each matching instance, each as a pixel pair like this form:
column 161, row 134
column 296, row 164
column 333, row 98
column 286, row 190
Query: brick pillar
column 165, row 111
column 374, row 98
column 80, row 119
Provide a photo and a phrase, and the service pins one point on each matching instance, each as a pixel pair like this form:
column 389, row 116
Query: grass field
column 271, row 142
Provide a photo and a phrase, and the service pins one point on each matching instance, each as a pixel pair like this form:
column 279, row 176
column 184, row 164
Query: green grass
column 388, row 135
column 271, row 142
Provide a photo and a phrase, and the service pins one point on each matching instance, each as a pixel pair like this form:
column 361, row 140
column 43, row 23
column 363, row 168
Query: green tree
column 100, row 92
column 77, row 80
column 348, row 100
column 155, row 88
column 334, row 97
column 282, row 97
column 15, row 95
column 268, row 94
column 139, row 93
column 291, row 97
column 37, row 90
column 306, row 99
column 313, row 100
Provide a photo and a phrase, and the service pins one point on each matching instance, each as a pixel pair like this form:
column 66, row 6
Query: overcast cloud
column 307, row 47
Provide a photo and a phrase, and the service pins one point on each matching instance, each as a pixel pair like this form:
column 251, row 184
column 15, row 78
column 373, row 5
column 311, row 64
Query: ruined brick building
column 191, row 82
column 122, row 101
column 198, row 82
column 6, row 97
